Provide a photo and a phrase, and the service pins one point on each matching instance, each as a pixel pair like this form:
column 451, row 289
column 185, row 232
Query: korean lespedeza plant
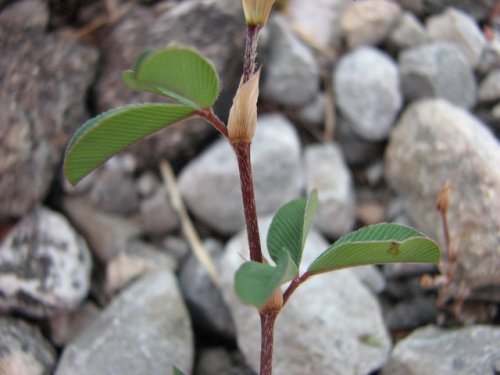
column 191, row 85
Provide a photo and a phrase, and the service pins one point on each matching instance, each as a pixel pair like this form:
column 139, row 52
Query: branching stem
column 211, row 117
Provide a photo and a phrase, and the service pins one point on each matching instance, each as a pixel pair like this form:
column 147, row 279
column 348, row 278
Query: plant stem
column 250, row 51
column 211, row 117
column 242, row 151
column 267, row 320
column 294, row 285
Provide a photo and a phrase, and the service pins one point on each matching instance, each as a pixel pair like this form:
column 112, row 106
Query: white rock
column 369, row 22
column 489, row 90
column 465, row 351
column 366, row 85
column 45, row 266
column 318, row 20
column 408, row 32
column 435, row 142
column 437, row 70
column 457, row 27
column 292, row 73
column 210, row 184
column 327, row 172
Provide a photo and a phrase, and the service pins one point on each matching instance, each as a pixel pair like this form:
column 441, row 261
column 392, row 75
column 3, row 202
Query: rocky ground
column 376, row 103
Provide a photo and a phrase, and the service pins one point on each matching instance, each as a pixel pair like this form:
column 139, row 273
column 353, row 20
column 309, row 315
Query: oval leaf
column 179, row 73
column 375, row 244
column 256, row 282
column 109, row 133
column 290, row 227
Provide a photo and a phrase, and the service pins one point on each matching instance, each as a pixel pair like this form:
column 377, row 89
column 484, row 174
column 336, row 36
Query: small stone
column 24, row 351
column 464, row 351
column 44, row 266
column 158, row 217
column 489, row 90
column 327, row 172
column 366, row 85
column 292, row 73
column 331, row 309
column 457, row 27
column 370, row 213
column 357, row 150
column 411, row 313
column 147, row 184
column 277, row 176
column 408, row 32
column 106, row 234
column 437, row 70
column 115, row 192
column 136, row 260
column 213, row 361
column 314, row 112
column 204, row 299
column 177, row 247
column 25, row 14
column 369, row 22
column 65, row 326
column 371, row 277
column 145, row 330
column 318, row 20
column 478, row 9
column 490, row 58
column 422, row 155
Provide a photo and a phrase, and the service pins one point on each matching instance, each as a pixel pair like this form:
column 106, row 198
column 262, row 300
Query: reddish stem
column 294, row 285
column 267, row 320
column 209, row 115
column 242, row 151
column 250, row 51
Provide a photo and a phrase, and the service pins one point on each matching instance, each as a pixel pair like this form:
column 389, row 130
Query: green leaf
column 375, row 244
column 290, row 227
column 256, row 282
column 109, row 133
column 176, row 371
column 179, row 73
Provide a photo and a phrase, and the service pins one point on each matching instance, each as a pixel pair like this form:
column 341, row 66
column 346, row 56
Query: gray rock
column 147, row 184
column 291, row 73
column 371, row 277
column 137, row 259
column 145, row 330
column 44, row 266
column 313, row 113
column 157, row 214
column 277, row 176
column 213, row 361
column 65, row 326
column 411, row 313
column 327, row 172
column 408, row 32
column 366, row 85
column 216, row 28
column 25, row 14
column 331, row 325
column 479, row 9
column 437, row 70
column 369, row 22
column 357, row 151
column 466, row 351
column 318, row 20
column 457, row 27
column 106, row 234
column 115, row 192
column 489, row 90
column 435, row 142
column 490, row 58
column 44, row 85
column 24, row 351
column 204, row 298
